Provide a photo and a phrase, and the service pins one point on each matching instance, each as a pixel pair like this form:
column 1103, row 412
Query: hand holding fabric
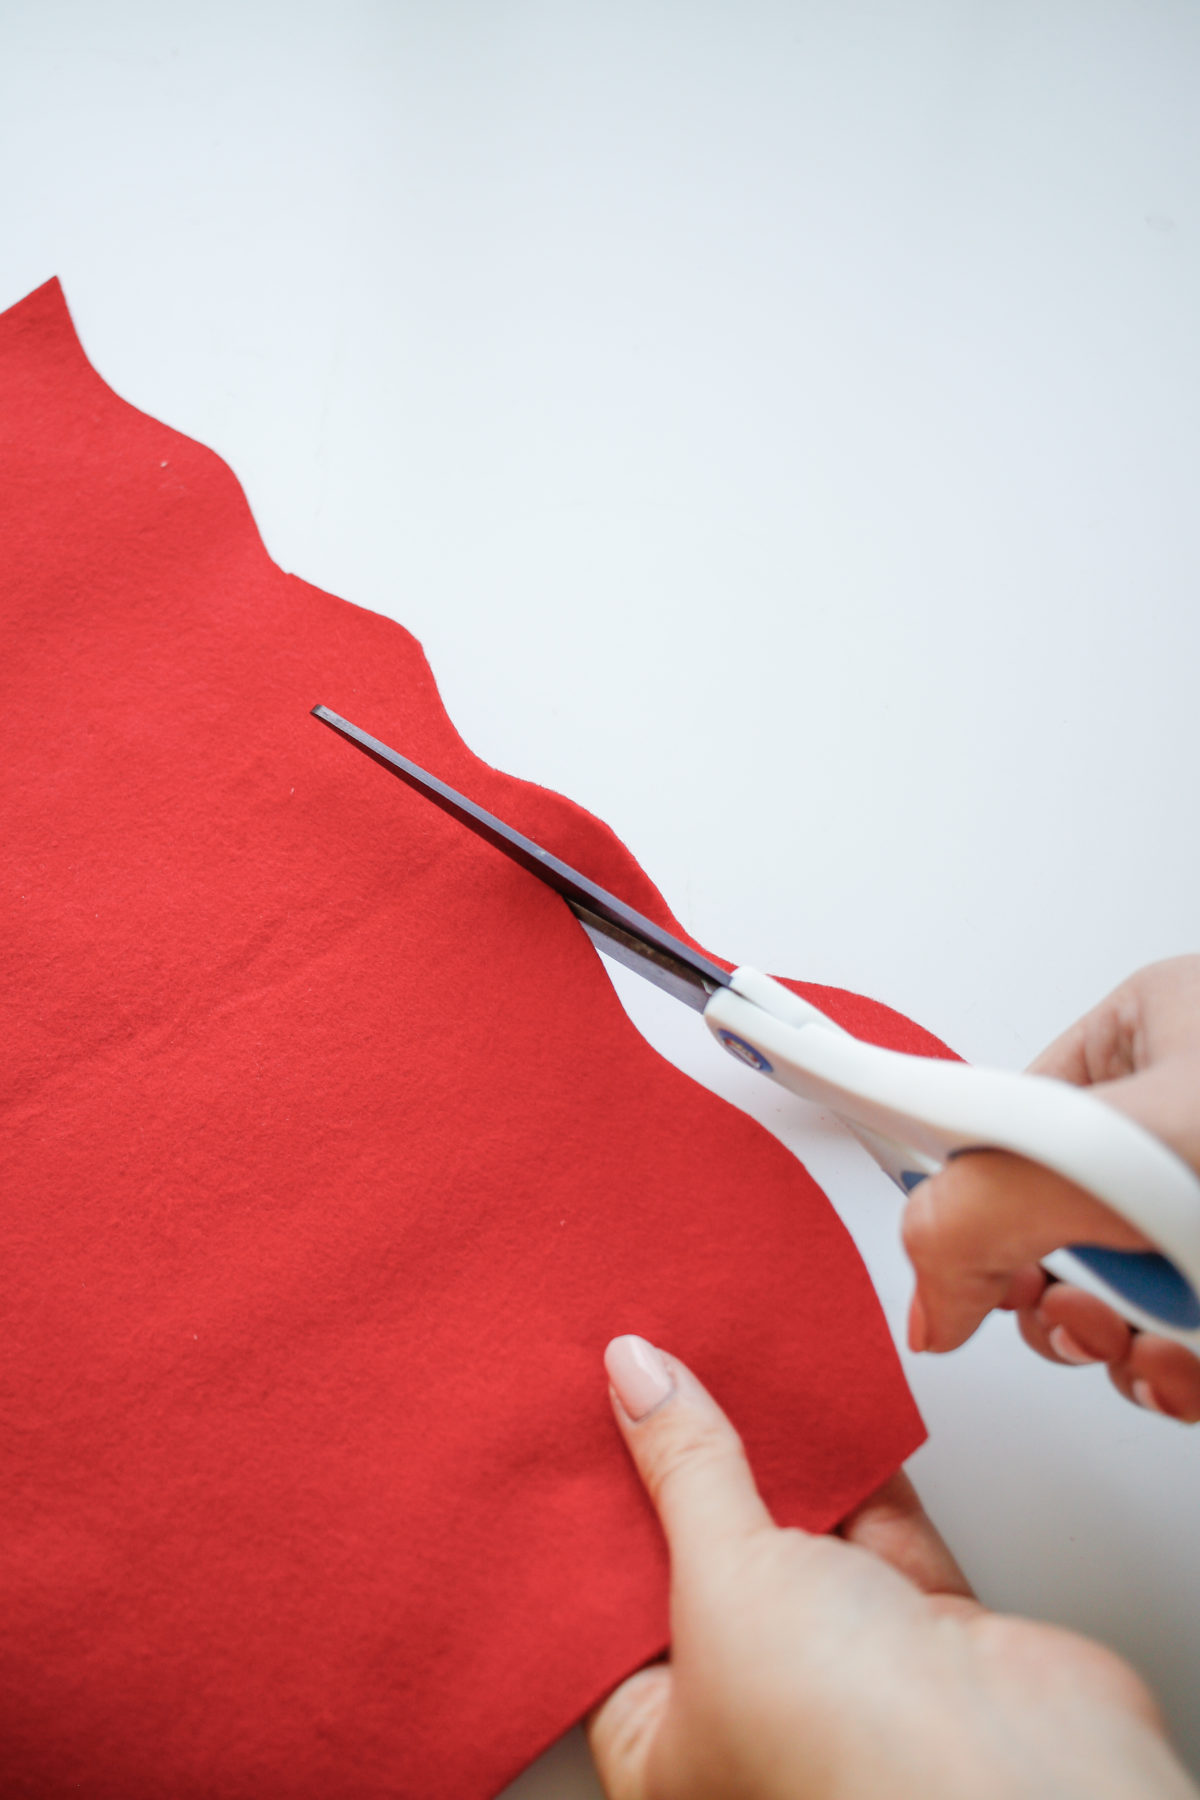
column 975, row 1231
column 851, row 1666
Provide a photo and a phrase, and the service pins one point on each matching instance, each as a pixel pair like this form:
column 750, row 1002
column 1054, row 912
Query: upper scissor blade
column 616, row 929
column 664, row 970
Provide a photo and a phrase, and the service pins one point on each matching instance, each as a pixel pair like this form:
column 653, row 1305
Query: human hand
column 849, row 1667
column 975, row 1231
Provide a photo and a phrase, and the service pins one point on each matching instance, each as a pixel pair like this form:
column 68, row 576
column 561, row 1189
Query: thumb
column 694, row 1469
column 971, row 1230
column 688, row 1455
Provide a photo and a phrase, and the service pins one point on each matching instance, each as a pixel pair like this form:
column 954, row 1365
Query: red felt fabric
column 330, row 1164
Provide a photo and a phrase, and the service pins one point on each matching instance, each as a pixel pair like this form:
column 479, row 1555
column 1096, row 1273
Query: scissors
column 912, row 1113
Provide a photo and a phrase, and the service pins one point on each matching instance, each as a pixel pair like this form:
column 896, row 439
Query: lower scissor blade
column 616, row 929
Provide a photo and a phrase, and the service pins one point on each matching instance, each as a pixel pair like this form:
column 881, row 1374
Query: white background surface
column 780, row 423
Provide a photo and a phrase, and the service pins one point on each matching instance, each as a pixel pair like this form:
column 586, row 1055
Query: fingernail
column 1145, row 1396
column 639, row 1375
column 1069, row 1348
column 918, row 1326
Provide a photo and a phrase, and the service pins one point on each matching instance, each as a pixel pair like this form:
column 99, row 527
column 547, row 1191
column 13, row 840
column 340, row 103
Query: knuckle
column 689, row 1447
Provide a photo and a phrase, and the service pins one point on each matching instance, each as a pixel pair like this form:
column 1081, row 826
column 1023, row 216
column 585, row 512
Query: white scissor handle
column 914, row 1112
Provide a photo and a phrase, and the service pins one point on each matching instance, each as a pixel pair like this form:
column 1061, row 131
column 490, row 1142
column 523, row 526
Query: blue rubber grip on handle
column 1149, row 1280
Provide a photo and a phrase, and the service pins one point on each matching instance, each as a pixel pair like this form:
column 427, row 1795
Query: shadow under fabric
column 330, row 1164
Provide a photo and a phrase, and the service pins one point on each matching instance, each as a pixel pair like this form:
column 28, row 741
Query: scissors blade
column 623, row 934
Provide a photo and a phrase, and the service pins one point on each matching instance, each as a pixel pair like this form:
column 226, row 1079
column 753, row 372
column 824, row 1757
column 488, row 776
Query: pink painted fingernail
column 639, row 1375
column 1145, row 1396
column 1069, row 1348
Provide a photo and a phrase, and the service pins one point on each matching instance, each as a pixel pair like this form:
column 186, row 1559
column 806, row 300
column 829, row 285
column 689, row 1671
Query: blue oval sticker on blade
column 737, row 1046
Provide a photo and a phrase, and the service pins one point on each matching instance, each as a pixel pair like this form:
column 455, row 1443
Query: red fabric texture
column 331, row 1162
